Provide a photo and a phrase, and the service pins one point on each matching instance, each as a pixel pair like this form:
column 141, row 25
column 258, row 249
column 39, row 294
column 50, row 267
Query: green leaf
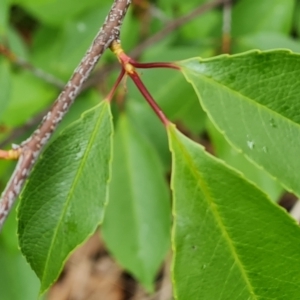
column 136, row 226
column 63, row 201
column 5, row 85
column 253, row 100
column 270, row 15
column 229, row 240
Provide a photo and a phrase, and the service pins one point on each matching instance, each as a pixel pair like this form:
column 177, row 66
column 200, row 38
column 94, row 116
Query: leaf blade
column 138, row 214
column 52, row 207
column 227, row 235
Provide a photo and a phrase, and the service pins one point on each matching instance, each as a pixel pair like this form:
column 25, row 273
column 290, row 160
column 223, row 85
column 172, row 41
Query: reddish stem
column 125, row 59
column 154, row 65
column 112, row 92
column 139, row 84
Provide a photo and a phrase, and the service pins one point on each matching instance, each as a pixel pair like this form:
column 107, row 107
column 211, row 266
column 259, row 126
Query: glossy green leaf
column 229, row 240
column 63, row 201
column 5, row 86
column 250, row 16
column 253, row 100
column 136, row 226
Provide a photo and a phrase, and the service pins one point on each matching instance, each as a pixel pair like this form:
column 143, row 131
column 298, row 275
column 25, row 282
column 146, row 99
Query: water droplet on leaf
column 250, row 144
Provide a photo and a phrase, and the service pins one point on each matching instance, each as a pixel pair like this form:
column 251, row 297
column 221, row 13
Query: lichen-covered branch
column 30, row 149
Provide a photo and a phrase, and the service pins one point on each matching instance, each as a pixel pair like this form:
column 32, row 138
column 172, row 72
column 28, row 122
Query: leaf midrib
column 72, row 188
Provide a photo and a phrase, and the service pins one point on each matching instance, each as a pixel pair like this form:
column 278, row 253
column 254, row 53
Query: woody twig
column 30, row 149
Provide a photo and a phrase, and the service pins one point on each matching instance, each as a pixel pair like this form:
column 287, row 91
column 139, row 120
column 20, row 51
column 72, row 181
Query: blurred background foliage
column 53, row 35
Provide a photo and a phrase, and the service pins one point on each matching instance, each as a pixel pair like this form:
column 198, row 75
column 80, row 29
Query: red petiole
column 128, row 67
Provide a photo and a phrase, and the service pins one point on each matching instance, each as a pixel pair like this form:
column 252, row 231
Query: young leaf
column 136, row 226
column 253, row 99
column 63, row 201
column 229, row 240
